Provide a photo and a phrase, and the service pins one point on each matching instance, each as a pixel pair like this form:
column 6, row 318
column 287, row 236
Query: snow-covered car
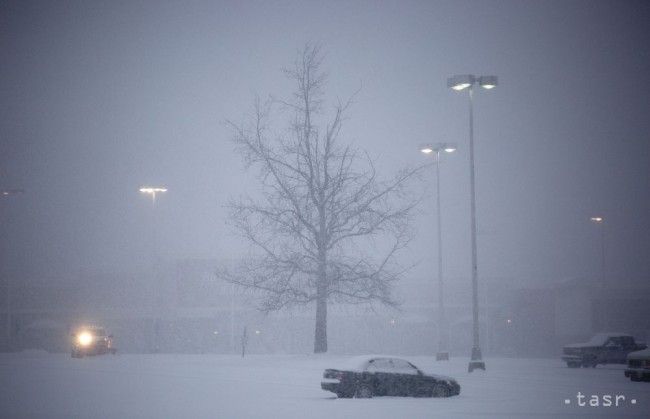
column 379, row 375
column 603, row 348
column 638, row 365
column 92, row 341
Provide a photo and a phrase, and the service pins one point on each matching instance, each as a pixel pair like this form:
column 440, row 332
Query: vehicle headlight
column 84, row 338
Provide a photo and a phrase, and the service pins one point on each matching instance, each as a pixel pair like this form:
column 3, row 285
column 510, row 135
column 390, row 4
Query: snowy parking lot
column 41, row 385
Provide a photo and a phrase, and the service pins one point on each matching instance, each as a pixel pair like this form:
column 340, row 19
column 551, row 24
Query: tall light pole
column 5, row 193
column 600, row 222
column 148, row 190
column 460, row 83
column 443, row 330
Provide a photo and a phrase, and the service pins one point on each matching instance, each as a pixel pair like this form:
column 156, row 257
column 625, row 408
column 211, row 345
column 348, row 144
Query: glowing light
column 463, row 81
column 85, row 338
column 488, row 82
column 257, row 332
column 152, row 190
column 461, row 86
column 8, row 192
column 597, row 220
column 437, row 148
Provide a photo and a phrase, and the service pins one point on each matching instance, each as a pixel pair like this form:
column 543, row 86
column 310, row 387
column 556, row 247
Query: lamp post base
column 442, row 356
column 476, row 365
column 477, row 360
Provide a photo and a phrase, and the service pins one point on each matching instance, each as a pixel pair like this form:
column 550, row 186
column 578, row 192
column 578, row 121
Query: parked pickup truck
column 638, row 365
column 603, row 348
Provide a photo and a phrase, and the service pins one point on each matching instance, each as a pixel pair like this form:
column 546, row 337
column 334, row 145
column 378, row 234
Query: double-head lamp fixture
column 463, row 81
column 438, row 147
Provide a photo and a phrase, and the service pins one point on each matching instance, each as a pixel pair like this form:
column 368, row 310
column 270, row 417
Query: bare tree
column 323, row 207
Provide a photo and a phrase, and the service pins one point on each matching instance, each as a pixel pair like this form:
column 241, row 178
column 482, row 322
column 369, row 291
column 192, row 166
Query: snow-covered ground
column 41, row 385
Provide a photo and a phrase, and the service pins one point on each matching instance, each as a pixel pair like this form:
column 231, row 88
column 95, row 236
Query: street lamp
column 443, row 346
column 459, row 83
column 5, row 193
column 153, row 191
column 600, row 222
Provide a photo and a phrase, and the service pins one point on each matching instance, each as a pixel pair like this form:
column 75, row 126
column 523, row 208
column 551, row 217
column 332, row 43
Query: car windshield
column 381, row 365
column 403, row 367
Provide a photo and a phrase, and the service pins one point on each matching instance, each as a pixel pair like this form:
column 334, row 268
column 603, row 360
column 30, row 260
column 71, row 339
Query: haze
column 99, row 99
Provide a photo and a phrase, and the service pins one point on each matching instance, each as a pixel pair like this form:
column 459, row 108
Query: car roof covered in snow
column 599, row 339
column 358, row 363
column 644, row 354
column 355, row 363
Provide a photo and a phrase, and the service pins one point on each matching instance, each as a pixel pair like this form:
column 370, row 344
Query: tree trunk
column 320, row 335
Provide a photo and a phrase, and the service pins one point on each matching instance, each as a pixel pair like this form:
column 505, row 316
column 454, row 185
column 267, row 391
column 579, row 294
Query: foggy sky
column 100, row 98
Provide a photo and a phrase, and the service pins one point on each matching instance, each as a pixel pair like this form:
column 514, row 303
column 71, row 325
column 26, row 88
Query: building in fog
column 541, row 321
column 585, row 307
column 185, row 308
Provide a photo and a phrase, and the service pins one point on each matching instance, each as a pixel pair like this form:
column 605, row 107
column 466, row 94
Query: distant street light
column 443, row 343
column 459, row 83
column 153, row 191
column 7, row 192
column 600, row 222
column 147, row 190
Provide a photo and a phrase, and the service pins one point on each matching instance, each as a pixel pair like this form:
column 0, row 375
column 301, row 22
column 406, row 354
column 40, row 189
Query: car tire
column 363, row 392
column 573, row 364
column 635, row 377
column 440, row 390
column 343, row 395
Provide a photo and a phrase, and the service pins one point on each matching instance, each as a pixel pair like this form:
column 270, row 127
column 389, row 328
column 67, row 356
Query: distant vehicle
column 92, row 341
column 638, row 365
column 603, row 348
column 376, row 375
